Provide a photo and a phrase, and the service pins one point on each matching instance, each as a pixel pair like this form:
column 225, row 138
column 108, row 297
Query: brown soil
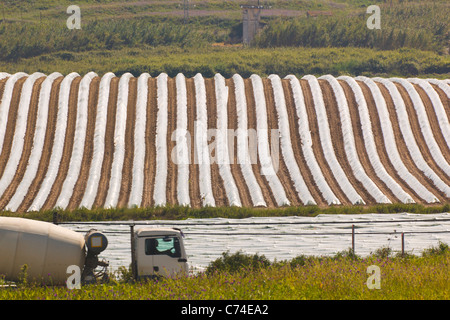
column 283, row 172
column 359, row 143
column 194, row 188
column 11, row 124
column 150, row 148
column 337, row 138
column 251, row 114
column 28, row 144
column 127, row 170
column 296, row 145
column 444, row 99
column 434, row 123
column 218, row 188
column 418, row 135
column 403, row 149
column 105, row 175
column 68, row 146
column 80, row 185
column 47, row 148
column 317, row 146
column 2, row 87
column 172, row 176
column 382, row 149
column 241, row 185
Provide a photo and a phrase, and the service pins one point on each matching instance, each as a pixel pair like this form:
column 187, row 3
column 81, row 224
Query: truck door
column 166, row 254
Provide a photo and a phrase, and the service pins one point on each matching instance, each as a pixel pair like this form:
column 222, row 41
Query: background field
column 150, row 36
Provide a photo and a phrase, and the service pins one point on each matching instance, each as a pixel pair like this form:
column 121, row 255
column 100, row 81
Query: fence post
column 403, row 244
column 133, row 252
column 353, row 238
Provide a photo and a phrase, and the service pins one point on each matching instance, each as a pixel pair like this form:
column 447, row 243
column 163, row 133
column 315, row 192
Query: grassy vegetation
column 410, row 25
column 180, row 213
column 128, row 36
column 244, row 61
column 240, row 277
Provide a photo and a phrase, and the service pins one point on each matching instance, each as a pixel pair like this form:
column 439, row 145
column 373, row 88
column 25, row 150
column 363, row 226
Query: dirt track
column 218, row 188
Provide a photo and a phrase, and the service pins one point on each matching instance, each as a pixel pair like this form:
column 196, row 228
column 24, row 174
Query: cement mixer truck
column 48, row 250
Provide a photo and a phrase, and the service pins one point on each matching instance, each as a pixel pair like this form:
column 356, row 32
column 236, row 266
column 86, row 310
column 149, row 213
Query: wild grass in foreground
column 240, row 276
column 181, row 213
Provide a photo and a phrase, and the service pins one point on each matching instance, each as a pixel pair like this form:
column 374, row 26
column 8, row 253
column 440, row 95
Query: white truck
column 158, row 252
column 48, row 250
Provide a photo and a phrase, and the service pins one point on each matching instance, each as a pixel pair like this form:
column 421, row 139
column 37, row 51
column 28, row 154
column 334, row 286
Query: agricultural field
column 119, row 113
column 146, row 114
column 89, row 142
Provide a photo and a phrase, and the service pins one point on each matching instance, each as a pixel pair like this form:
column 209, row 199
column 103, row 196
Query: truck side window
column 163, row 246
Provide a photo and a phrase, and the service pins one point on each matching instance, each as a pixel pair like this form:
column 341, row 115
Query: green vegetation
column 413, row 25
column 343, row 276
column 181, row 213
column 228, row 61
column 137, row 37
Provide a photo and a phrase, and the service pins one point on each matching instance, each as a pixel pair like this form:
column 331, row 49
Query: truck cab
column 158, row 252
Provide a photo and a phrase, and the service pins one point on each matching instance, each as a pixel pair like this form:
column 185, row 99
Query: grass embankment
column 181, row 213
column 241, row 277
column 236, row 60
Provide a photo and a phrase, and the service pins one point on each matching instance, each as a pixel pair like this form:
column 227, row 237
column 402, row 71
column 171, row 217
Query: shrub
column 237, row 262
column 440, row 249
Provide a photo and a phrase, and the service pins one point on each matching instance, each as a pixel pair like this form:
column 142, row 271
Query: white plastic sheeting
column 391, row 144
column 182, row 147
column 78, row 142
column 6, row 102
column 369, row 143
column 201, row 142
column 159, row 195
column 115, row 181
column 19, row 133
column 286, row 143
column 306, row 142
column 99, row 142
column 411, row 144
column 265, row 158
column 38, row 143
column 424, row 124
column 288, row 237
column 442, row 85
column 223, row 156
column 349, row 142
column 58, row 143
column 325, row 139
column 137, row 184
column 243, row 152
column 438, row 107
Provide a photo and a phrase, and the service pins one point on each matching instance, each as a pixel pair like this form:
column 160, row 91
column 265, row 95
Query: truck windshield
column 163, row 246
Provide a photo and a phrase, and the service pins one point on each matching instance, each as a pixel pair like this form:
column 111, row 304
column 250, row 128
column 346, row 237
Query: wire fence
column 282, row 238
column 351, row 225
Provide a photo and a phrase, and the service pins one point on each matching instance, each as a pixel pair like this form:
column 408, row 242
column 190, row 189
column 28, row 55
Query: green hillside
column 152, row 36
